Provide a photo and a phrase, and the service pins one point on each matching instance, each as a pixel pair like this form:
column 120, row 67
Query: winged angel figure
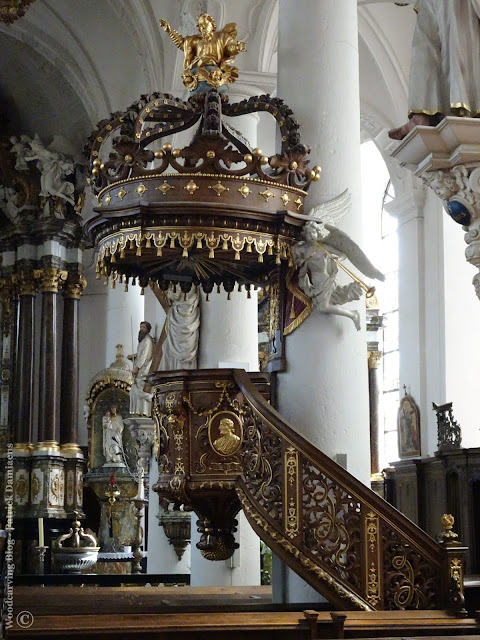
column 319, row 253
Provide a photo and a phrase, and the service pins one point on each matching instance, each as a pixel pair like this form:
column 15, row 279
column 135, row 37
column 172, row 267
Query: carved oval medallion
column 225, row 433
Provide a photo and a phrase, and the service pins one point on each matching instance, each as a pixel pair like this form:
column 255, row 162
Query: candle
column 112, row 480
column 41, row 539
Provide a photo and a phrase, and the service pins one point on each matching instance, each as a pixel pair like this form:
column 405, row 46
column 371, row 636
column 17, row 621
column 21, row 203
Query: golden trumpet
column 369, row 291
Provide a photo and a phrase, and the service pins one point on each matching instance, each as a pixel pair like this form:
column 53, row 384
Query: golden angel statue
column 208, row 56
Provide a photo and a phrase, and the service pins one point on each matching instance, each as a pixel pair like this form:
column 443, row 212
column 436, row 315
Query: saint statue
column 141, row 400
column 21, row 151
column 445, row 66
column 208, row 55
column 228, row 441
column 53, row 167
column 182, row 330
column 112, row 424
column 8, row 203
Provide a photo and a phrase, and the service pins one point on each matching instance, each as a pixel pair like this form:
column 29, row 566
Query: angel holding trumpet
column 319, row 254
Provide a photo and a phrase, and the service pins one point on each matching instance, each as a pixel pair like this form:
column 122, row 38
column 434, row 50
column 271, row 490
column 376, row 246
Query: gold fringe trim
column 454, row 106
column 297, row 293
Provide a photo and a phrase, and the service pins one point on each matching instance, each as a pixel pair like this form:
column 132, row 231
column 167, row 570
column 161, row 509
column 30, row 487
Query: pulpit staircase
column 354, row 548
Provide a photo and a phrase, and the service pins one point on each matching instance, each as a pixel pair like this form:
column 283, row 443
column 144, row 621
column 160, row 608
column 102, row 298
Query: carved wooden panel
column 331, row 524
column 262, row 464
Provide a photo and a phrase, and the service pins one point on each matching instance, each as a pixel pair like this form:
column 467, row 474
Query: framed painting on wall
column 408, row 424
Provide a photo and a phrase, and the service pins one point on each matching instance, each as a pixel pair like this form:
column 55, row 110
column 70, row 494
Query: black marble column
column 70, row 346
column 48, row 429
column 25, row 359
column 8, row 300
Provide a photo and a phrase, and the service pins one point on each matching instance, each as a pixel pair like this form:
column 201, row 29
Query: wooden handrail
column 341, row 475
column 340, row 536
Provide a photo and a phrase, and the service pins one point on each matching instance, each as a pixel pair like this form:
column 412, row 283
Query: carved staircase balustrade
column 338, row 535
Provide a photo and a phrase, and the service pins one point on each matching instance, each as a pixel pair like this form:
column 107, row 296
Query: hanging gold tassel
column 292, row 309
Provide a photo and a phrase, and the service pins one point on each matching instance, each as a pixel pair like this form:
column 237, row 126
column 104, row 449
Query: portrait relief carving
column 21, row 487
column 36, row 486
column 225, row 433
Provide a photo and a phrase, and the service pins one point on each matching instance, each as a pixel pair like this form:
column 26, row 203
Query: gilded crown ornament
column 208, row 55
column 216, row 212
column 11, row 10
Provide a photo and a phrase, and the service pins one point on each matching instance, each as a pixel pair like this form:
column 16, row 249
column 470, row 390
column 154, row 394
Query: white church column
column 408, row 208
column 248, row 123
column 229, row 330
column 229, row 338
column 326, row 396
column 125, row 311
column 324, row 392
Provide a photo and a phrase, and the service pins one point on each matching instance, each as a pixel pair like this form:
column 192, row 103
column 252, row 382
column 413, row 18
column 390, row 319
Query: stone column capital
column 74, row 285
column 374, row 359
column 50, row 279
column 25, row 282
column 408, row 205
column 8, row 294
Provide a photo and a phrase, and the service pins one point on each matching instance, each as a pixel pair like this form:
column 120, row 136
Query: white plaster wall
column 434, row 321
column 161, row 554
column 462, row 347
column 243, row 568
column 92, row 314
column 125, row 311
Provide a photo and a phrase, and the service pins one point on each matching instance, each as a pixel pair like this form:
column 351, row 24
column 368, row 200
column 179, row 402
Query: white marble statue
column 112, row 424
column 182, row 328
column 8, row 203
column 445, row 65
column 141, row 400
column 318, row 254
column 22, row 151
column 54, row 167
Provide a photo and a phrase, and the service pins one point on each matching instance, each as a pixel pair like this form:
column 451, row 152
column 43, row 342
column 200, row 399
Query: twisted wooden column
column 70, row 345
column 25, row 358
column 50, row 279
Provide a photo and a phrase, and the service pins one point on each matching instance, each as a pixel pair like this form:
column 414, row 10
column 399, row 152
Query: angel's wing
column 344, row 244
column 333, row 210
column 330, row 211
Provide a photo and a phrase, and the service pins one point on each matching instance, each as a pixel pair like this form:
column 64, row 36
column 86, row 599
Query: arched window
column 380, row 242
column 388, row 297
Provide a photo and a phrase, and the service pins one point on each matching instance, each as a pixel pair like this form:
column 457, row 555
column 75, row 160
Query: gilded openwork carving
column 262, row 464
column 411, row 582
column 331, row 524
column 373, row 558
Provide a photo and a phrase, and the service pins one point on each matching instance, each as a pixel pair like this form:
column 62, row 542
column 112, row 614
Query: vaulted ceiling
column 68, row 63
